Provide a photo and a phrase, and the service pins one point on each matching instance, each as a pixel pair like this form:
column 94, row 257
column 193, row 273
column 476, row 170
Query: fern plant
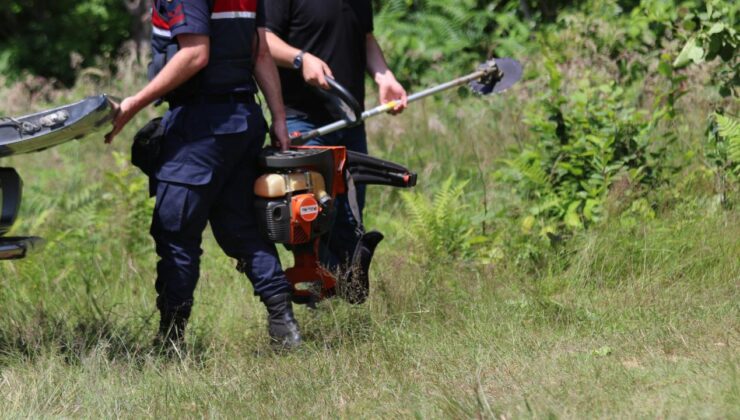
column 723, row 154
column 443, row 227
column 728, row 129
column 131, row 203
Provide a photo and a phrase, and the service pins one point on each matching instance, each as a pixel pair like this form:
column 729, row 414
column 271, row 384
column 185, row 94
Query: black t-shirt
column 333, row 30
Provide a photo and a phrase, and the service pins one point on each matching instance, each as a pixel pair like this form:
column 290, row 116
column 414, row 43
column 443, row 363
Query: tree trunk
column 524, row 8
column 140, row 25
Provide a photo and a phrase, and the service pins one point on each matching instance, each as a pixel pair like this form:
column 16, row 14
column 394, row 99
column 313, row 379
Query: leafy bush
column 723, row 153
column 444, row 228
column 56, row 38
column 605, row 35
column 585, row 142
column 129, row 198
column 716, row 36
column 429, row 38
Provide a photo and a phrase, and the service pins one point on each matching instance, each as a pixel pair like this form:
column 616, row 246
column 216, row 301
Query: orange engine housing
column 304, row 211
column 295, row 206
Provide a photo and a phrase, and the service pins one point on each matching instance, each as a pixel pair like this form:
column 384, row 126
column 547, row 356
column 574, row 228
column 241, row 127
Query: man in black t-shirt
column 313, row 39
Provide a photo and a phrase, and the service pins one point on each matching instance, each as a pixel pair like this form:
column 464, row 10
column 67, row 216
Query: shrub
column 57, row 38
column 715, row 37
column 426, row 39
column 585, row 142
column 444, row 228
column 723, row 154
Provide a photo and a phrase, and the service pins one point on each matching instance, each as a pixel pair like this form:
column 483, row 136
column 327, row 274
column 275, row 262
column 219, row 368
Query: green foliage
column 129, row 198
column 93, row 212
column 442, row 228
column 728, row 130
column 442, row 335
column 585, row 142
column 723, row 153
column 56, row 38
column 424, row 39
column 716, row 36
column 629, row 39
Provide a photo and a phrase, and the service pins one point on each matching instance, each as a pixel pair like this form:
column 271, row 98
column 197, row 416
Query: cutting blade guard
column 40, row 131
column 499, row 75
column 19, row 248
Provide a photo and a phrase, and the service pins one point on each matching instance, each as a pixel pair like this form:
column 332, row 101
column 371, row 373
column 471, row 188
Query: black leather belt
column 225, row 98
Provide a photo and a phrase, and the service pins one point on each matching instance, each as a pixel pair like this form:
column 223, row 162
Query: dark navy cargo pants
column 338, row 248
column 207, row 169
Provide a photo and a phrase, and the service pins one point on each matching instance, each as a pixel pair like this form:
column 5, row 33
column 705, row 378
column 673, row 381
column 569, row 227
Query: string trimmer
column 296, row 194
column 493, row 76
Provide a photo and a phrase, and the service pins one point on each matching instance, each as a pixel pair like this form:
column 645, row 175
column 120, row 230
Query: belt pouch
column 146, row 146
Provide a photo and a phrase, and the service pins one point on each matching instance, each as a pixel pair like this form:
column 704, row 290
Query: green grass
column 628, row 319
column 636, row 317
column 643, row 322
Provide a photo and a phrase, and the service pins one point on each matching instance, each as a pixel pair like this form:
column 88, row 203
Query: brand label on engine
column 309, row 211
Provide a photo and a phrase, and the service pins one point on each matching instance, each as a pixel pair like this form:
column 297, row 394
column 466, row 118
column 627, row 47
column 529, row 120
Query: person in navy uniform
column 313, row 39
column 209, row 57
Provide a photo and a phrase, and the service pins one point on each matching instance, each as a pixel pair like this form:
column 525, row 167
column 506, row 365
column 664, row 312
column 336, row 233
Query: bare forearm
column 388, row 87
column 268, row 80
column 187, row 62
column 376, row 64
column 314, row 70
column 282, row 53
column 183, row 66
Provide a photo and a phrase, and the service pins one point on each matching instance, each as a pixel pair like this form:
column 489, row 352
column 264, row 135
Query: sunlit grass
column 637, row 317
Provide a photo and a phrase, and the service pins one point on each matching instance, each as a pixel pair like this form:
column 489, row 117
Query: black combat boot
column 172, row 328
column 172, row 323
column 282, row 325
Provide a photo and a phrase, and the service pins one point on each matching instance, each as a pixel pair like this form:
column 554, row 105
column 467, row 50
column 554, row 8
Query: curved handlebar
column 346, row 101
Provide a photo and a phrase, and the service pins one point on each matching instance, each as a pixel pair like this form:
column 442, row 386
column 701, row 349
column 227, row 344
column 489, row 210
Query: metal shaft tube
column 381, row 109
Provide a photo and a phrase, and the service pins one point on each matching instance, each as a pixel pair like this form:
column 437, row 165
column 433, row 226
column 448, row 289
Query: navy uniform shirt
column 232, row 26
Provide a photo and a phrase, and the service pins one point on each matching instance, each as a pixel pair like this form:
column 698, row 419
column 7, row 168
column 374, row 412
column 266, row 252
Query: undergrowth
column 570, row 251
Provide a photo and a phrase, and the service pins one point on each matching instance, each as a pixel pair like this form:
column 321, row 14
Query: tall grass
column 635, row 317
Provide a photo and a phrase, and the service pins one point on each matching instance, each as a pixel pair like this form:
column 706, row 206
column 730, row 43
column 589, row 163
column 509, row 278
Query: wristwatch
column 298, row 60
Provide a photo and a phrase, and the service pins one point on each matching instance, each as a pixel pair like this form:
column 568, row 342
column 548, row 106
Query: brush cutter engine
column 295, row 205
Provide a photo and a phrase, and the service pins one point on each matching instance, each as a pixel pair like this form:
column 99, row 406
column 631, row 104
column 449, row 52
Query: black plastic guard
column 373, row 171
column 17, row 248
column 11, row 188
column 355, row 287
column 364, row 169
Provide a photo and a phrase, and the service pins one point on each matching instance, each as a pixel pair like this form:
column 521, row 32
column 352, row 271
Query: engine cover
column 293, row 208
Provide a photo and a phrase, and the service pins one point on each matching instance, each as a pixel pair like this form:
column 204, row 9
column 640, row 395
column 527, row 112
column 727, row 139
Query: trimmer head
column 501, row 74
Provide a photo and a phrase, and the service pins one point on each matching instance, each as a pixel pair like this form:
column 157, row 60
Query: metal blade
column 506, row 72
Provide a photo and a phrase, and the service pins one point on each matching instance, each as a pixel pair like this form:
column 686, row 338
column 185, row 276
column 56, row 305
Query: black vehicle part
column 36, row 132
column 17, row 248
column 355, row 287
column 11, row 187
